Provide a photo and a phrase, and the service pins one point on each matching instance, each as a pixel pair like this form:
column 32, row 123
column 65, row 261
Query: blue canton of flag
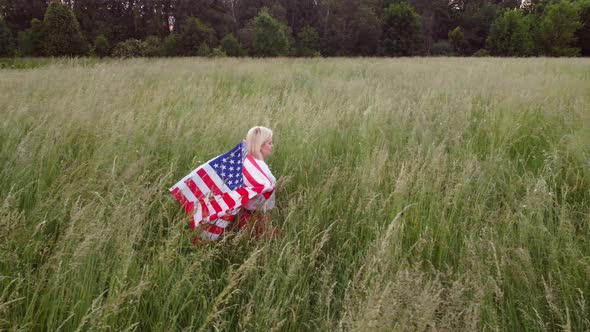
column 229, row 166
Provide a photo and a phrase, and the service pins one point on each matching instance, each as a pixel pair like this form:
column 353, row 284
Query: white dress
column 258, row 202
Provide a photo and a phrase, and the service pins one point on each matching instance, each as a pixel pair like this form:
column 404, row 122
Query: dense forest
column 294, row 28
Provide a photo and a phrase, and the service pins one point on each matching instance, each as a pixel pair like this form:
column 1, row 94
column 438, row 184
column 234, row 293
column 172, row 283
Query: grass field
column 425, row 194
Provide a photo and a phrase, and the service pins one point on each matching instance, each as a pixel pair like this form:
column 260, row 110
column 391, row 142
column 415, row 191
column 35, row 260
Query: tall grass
column 416, row 195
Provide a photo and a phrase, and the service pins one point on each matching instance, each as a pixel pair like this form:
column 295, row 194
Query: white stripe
column 200, row 184
column 251, row 193
column 198, row 214
column 205, row 190
column 205, row 235
column 248, row 183
column 189, row 175
column 187, row 192
column 217, row 180
column 221, row 223
column 235, row 196
column 180, row 182
column 256, row 174
column 209, row 207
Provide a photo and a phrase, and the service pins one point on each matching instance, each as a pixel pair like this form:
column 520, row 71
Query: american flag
column 214, row 192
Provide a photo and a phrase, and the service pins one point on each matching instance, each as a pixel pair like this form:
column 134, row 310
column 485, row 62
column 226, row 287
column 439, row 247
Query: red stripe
column 194, row 189
column 253, row 161
column 207, row 180
column 228, row 217
column 179, row 196
column 214, row 229
column 257, row 187
column 229, row 201
column 205, row 210
column 184, row 202
column 215, row 205
column 244, row 193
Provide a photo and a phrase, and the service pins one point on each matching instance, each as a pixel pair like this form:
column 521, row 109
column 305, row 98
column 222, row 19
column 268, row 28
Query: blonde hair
column 255, row 138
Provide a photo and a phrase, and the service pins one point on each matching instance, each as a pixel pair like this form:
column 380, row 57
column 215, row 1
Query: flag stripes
column 214, row 192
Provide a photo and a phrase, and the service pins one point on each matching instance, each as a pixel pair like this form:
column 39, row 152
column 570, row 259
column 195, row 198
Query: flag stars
column 229, row 167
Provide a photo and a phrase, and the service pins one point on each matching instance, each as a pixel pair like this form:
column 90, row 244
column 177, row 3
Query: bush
column 308, row 42
column 193, row 35
column 62, row 31
column 101, row 46
column 583, row 33
column 481, row 53
column 130, row 48
column 154, row 47
column 204, row 50
column 442, row 48
column 30, row 41
column 217, row 53
column 6, row 40
column 246, row 37
column 457, row 40
column 231, row 46
column 170, row 45
column 270, row 38
column 25, row 44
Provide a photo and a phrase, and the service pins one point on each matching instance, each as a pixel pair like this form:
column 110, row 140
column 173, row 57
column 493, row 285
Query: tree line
column 294, row 27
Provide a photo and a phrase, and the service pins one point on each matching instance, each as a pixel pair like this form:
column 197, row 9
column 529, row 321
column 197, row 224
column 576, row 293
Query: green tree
column 6, row 40
column 101, row 46
column 583, row 33
column 308, row 42
column 510, row 35
column 270, row 38
column 364, row 32
column 475, row 21
column 557, row 29
column 231, row 46
column 62, row 32
column 401, row 30
column 457, row 40
column 192, row 35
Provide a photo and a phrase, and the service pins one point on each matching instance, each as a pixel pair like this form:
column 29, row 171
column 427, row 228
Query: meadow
column 417, row 194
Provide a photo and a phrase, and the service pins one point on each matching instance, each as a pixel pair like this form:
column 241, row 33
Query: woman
column 256, row 212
